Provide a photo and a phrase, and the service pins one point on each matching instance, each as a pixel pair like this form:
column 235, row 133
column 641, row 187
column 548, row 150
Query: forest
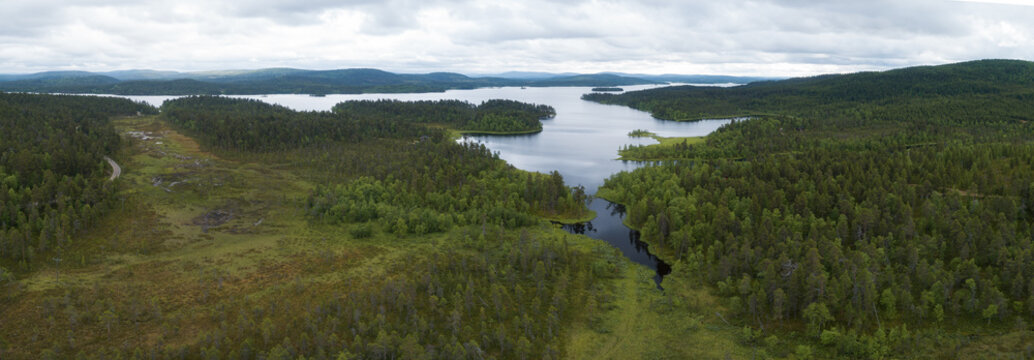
column 879, row 213
column 53, row 179
column 455, row 184
column 318, row 235
column 492, row 116
column 252, row 125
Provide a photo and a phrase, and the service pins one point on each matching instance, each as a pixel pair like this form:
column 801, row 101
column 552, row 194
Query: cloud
column 748, row 37
column 1002, row 2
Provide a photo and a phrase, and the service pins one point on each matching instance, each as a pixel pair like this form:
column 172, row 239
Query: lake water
column 581, row 142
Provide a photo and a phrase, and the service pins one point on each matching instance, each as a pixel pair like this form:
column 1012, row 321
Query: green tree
column 400, row 229
column 889, row 303
column 816, row 314
column 803, row 352
column 990, row 312
column 524, row 348
column 108, row 318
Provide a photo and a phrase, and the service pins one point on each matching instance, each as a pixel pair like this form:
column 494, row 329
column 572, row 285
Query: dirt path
column 115, row 169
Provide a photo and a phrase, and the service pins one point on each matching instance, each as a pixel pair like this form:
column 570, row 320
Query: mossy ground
column 192, row 231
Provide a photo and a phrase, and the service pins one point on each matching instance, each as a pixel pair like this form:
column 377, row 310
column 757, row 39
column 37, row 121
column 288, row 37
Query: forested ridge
column 252, row 125
column 1002, row 82
column 497, row 116
column 881, row 214
column 53, row 179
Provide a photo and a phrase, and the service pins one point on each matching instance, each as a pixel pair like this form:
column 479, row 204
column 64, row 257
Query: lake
column 581, row 142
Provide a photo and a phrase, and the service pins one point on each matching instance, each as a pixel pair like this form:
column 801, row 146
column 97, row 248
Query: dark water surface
column 581, row 142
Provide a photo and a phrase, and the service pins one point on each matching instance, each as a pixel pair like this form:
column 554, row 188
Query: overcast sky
column 777, row 38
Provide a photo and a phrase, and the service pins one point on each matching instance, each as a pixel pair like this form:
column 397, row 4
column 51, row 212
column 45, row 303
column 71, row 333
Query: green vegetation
column 492, row 116
column 454, row 184
column 53, row 179
column 682, row 322
column 871, row 95
column 641, row 133
column 383, row 242
column 660, row 151
column 607, row 89
column 252, row 125
column 838, row 223
column 868, row 215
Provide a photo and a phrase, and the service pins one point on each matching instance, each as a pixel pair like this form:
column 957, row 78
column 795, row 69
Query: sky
column 731, row 37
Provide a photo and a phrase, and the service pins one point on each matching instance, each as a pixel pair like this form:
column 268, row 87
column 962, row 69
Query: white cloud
column 749, row 37
column 1003, row 2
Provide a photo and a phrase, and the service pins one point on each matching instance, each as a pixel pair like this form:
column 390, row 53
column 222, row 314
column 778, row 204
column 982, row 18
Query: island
column 640, row 133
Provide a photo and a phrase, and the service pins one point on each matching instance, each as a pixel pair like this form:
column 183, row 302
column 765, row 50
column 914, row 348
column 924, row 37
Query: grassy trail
column 642, row 322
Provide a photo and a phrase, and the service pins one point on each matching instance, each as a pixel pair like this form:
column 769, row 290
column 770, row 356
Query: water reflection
column 616, row 210
column 608, row 226
column 579, row 228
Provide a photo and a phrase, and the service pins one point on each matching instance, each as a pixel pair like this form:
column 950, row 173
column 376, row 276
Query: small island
column 657, row 151
column 641, row 133
column 607, row 89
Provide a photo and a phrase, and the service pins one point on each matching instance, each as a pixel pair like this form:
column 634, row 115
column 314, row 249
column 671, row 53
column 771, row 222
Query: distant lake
column 581, row 142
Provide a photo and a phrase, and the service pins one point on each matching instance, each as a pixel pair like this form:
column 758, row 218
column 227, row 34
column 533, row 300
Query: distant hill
column 51, row 75
column 282, row 81
column 528, row 75
column 833, row 92
column 663, row 78
column 144, row 75
column 72, row 82
column 592, row 80
column 701, row 79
